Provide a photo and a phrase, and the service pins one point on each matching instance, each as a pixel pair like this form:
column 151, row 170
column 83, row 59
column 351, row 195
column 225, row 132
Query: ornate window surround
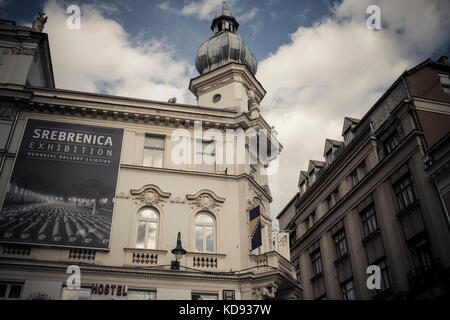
column 205, row 201
column 149, row 196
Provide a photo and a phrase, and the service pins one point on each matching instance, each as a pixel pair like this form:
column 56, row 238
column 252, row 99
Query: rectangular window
column 313, row 218
column 445, row 82
column 348, row 136
column 316, row 261
column 341, row 243
column 141, row 295
column 330, row 156
column 10, row 290
column 336, row 195
column 386, row 282
column 153, row 155
column 329, row 202
column 369, row 220
column 205, row 296
column 355, row 178
column 363, row 168
column 404, row 192
column 206, row 156
column 420, row 252
column 293, row 235
column 390, row 143
column 302, row 188
column 348, row 290
column 307, row 223
column 312, row 177
column 297, row 272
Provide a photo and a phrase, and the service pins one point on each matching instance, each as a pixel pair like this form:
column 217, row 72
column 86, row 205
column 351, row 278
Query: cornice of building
column 157, row 272
column 105, row 107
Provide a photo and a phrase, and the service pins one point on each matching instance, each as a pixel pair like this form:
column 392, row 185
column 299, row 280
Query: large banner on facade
column 62, row 187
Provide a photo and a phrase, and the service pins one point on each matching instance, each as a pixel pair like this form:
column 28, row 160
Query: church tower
column 227, row 69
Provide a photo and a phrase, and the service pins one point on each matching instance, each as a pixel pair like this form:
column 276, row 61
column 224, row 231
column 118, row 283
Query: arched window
column 205, row 232
column 147, row 229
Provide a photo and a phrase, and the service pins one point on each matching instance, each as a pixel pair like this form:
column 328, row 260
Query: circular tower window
column 217, row 98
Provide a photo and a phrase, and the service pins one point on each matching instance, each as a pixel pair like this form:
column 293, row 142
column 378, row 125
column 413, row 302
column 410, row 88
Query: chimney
column 443, row 59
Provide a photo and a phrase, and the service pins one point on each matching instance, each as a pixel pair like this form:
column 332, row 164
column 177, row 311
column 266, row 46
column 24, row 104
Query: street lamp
column 179, row 252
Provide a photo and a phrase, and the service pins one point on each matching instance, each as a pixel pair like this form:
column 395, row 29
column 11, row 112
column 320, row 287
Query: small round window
column 217, row 98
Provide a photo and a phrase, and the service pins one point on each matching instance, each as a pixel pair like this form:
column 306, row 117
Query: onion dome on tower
column 225, row 46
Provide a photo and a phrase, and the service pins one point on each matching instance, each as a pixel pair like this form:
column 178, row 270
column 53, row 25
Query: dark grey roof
column 225, row 46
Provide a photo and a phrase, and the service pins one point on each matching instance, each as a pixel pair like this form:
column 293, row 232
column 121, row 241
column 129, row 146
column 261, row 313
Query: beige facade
column 373, row 202
column 177, row 193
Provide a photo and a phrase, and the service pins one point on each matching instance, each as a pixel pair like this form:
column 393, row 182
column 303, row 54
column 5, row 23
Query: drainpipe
column 8, row 142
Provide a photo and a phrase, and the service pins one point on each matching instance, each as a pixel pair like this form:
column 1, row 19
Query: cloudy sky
column 318, row 60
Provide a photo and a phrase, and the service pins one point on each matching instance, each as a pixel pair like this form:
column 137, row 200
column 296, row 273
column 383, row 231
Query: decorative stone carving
column 254, row 200
column 39, row 22
column 264, row 293
column 7, row 111
column 150, row 195
column 205, row 199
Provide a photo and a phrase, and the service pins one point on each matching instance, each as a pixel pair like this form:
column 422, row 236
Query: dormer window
column 312, row 177
column 391, row 142
column 330, row 156
column 348, row 136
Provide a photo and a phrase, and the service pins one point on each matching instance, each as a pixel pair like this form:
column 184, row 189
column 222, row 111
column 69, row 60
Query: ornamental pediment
column 205, row 199
column 150, row 195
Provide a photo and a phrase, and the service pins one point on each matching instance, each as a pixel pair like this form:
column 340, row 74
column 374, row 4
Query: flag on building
column 255, row 228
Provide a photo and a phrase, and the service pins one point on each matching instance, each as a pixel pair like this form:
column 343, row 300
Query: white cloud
column 102, row 57
column 339, row 68
column 335, row 68
column 207, row 9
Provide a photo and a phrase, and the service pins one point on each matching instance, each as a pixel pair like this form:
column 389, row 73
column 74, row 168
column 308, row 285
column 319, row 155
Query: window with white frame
column 147, row 228
column 205, row 229
column 153, row 155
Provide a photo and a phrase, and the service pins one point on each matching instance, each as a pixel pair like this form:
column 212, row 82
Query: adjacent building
column 381, row 197
column 90, row 181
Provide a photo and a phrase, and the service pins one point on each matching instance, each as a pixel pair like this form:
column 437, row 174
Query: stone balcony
column 205, row 261
column 144, row 257
column 270, row 260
